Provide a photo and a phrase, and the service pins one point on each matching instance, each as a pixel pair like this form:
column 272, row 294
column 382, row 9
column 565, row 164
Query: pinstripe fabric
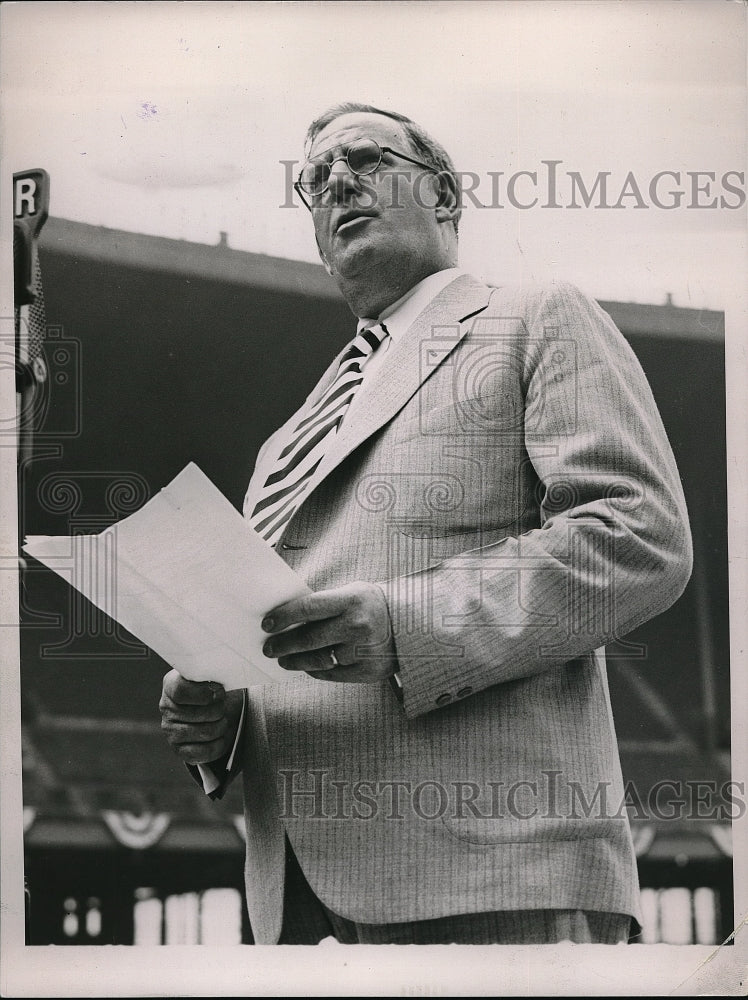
column 307, row 921
column 508, row 482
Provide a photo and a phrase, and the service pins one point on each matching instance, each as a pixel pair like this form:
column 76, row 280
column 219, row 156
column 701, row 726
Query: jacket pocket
column 526, row 829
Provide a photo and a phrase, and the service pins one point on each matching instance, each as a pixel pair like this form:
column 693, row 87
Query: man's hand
column 335, row 635
column 199, row 718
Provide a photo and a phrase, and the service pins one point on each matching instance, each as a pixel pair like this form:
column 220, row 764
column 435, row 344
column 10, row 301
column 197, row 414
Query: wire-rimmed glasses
column 363, row 157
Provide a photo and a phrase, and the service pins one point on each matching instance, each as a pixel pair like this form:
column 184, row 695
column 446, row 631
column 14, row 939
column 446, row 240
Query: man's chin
column 351, row 261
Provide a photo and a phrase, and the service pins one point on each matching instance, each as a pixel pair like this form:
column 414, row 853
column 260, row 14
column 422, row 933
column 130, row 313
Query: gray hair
column 422, row 144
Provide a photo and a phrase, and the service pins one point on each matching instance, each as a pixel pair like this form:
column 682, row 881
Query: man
column 495, row 500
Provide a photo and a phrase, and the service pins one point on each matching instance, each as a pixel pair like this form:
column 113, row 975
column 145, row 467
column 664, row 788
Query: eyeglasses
column 363, row 157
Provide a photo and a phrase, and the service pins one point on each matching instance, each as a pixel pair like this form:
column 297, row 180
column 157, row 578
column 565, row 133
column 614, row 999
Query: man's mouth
column 352, row 218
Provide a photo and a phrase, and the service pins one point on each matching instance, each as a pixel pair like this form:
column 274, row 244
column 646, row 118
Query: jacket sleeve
column 612, row 548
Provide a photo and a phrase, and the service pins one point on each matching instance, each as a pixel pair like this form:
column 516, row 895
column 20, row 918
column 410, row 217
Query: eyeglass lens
column 363, row 157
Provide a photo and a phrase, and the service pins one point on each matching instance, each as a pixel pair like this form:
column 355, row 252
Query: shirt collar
column 401, row 314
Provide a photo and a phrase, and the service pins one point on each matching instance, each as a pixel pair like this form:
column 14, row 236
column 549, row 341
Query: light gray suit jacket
column 506, row 478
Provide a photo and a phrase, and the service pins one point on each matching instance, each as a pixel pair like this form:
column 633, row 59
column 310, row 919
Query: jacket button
column 464, row 692
column 443, row 699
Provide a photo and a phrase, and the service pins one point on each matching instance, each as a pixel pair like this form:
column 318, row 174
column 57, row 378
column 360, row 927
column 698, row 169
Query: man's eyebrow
column 327, row 152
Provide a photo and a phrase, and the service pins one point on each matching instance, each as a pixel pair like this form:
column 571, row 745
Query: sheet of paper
column 188, row 576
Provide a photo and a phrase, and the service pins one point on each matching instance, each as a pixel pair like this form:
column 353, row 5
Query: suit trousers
column 306, row 920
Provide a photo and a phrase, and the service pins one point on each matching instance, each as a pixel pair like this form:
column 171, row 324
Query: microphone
column 30, row 212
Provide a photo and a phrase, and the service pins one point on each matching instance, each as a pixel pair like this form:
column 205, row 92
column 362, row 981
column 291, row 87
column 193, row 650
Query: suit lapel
column 405, row 367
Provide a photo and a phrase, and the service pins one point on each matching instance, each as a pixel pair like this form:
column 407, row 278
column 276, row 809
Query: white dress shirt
column 399, row 316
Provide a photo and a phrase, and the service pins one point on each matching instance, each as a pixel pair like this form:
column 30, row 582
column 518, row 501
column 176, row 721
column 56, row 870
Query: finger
column 183, row 734
column 304, row 638
column 310, row 608
column 356, row 673
column 181, row 691
column 194, row 692
column 318, row 659
column 190, row 715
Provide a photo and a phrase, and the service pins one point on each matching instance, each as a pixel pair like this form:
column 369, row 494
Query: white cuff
column 210, row 781
column 239, row 728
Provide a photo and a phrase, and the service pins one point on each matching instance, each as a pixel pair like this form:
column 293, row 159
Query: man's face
column 380, row 222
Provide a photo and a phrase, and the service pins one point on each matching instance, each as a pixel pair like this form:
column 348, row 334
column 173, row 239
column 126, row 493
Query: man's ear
column 322, row 255
column 448, row 205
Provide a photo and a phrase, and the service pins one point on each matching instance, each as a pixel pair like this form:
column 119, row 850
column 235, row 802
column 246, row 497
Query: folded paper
column 188, row 576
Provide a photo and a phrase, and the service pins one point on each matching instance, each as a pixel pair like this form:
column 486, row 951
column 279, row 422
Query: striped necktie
column 288, row 482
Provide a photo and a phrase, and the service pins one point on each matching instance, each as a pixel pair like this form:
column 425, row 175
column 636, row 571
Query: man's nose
column 342, row 179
